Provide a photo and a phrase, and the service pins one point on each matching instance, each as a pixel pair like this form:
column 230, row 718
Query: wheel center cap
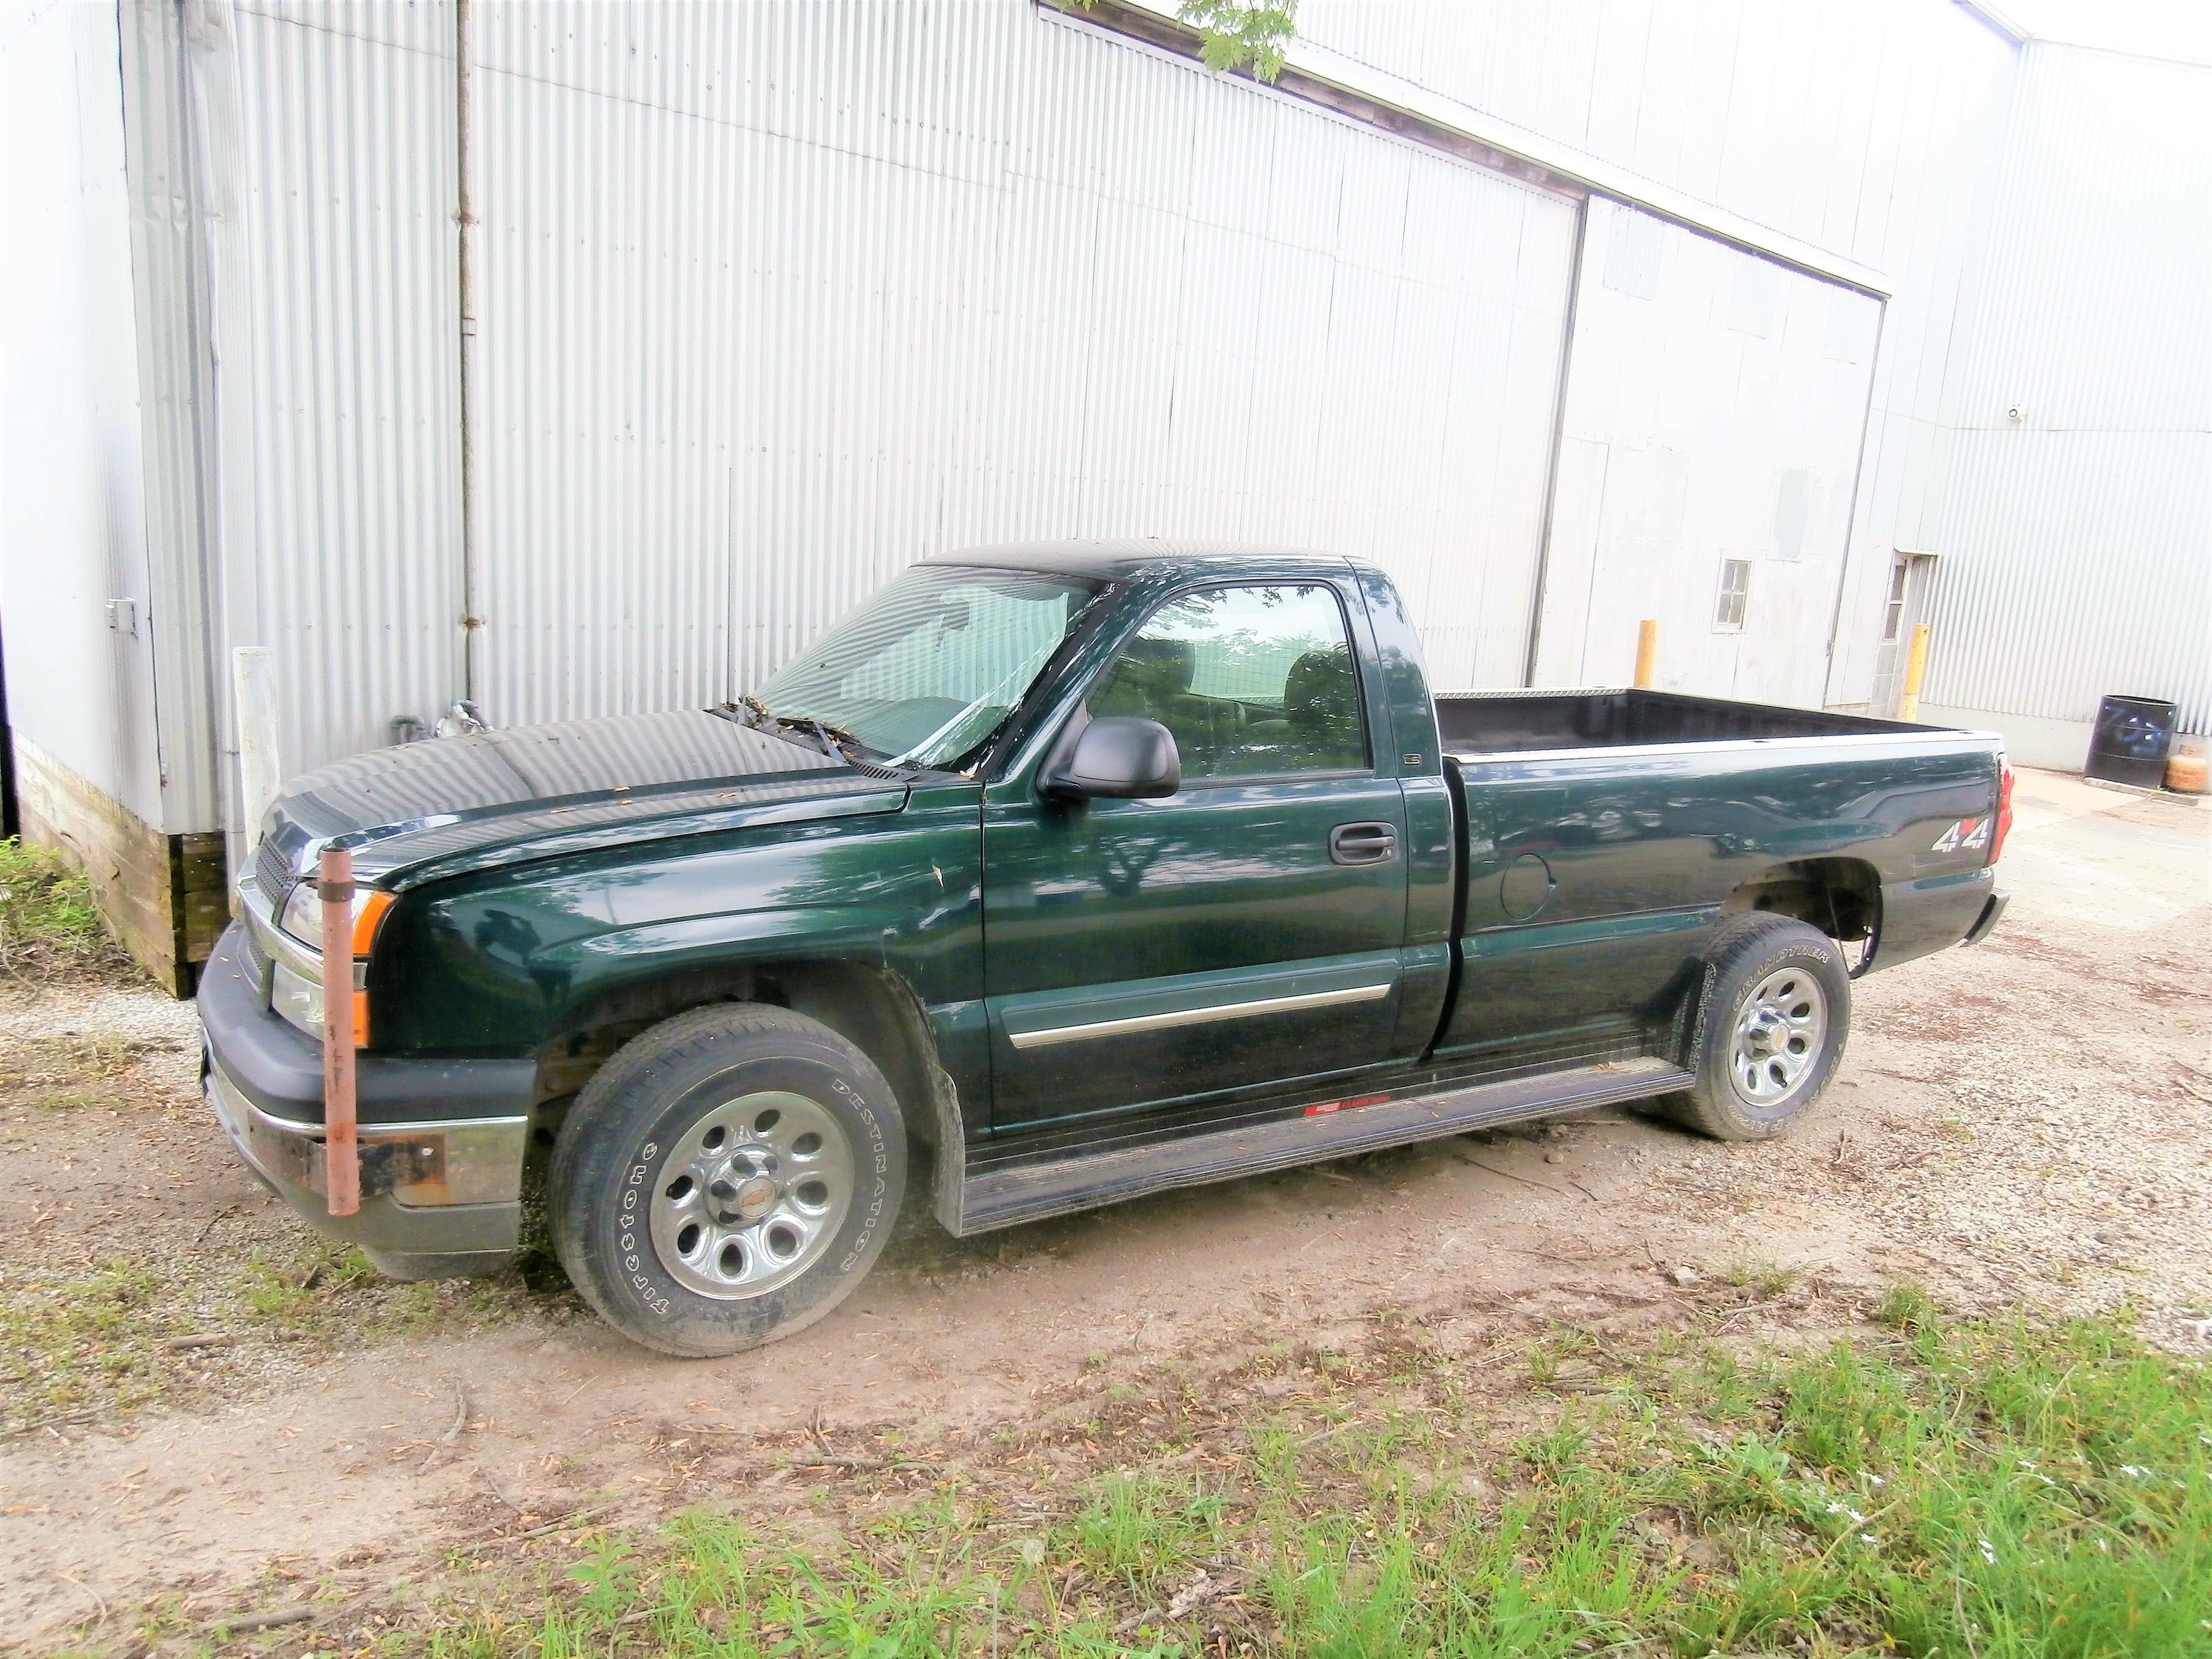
column 1762, row 1028
column 753, row 1198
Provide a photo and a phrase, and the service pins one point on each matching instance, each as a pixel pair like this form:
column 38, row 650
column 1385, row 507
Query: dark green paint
column 1538, row 903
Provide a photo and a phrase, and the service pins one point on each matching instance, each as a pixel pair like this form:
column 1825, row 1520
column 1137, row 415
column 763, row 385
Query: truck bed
column 1474, row 724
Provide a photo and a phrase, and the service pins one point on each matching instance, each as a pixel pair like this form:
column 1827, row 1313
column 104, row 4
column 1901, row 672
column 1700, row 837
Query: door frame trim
column 1049, row 1036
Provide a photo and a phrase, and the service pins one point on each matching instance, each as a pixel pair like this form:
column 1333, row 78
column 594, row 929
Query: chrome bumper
column 442, row 1141
column 437, row 1200
column 416, row 1165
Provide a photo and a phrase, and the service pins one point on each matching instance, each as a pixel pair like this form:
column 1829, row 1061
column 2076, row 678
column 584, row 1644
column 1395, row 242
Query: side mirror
column 1122, row 757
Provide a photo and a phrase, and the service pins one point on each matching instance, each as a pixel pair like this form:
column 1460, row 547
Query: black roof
column 1117, row 559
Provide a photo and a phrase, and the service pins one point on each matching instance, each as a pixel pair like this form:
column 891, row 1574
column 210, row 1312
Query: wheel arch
column 871, row 1007
column 1841, row 896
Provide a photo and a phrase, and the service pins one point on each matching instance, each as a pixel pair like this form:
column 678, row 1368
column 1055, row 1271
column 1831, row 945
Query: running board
column 1009, row 1196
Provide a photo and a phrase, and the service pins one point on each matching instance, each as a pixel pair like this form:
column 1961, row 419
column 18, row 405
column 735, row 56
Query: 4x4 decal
column 1965, row 834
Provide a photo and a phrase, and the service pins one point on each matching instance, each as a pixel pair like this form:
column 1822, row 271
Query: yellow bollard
column 1915, row 670
column 1647, row 652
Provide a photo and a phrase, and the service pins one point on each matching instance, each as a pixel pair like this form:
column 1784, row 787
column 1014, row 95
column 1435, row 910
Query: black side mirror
column 1122, row 757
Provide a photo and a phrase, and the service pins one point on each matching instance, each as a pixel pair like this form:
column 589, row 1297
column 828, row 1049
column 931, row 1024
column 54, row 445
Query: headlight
column 297, row 995
column 303, row 915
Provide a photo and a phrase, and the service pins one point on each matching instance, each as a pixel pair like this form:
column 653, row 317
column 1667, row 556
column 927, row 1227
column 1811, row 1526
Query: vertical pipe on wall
column 1915, row 670
column 472, row 626
column 253, row 698
column 1559, row 444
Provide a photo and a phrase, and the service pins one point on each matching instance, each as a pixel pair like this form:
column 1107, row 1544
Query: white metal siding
column 777, row 300
column 172, row 328
column 1718, row 416
column 1946, row 127
column 1802, row 116
column 72, row 535
column 1868, row 132
column 2076, row 540
column 351, row 570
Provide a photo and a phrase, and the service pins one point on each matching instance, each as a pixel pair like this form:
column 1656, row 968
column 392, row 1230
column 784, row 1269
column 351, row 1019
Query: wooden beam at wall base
column 166, row 897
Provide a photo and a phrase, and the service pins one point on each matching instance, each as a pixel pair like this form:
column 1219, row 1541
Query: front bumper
column 442, row 1141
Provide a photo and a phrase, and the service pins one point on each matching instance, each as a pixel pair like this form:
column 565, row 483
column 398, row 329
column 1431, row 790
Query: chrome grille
column 272, row 875
column 256, row 962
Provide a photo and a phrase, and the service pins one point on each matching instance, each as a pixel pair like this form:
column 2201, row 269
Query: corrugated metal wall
column 776, row 300
column 1801, row 115
column 345, row 164
column 779, row 299
column 1948, row 117
column 1869, row 131
column 1714, row 412
column 2076, row 524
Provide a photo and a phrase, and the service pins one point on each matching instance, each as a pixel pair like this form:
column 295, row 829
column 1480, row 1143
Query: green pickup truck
column 1093, row 868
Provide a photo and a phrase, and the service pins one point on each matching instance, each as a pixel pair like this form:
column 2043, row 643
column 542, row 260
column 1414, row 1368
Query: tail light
column 2004, row 808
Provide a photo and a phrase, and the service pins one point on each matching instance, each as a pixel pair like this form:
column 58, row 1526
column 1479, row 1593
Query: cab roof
column 1122, row 559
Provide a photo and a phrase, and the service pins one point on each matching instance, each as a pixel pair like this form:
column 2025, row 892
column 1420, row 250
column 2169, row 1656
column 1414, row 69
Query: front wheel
column 1772, row 1008
column 727, row 1179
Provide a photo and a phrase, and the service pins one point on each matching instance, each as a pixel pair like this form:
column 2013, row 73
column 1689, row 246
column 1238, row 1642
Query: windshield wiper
column 834, row 741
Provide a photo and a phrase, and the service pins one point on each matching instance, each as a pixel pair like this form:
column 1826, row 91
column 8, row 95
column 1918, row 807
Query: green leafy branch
column 1236, row 35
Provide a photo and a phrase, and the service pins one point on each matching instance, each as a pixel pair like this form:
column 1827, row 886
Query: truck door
column 1242, row 933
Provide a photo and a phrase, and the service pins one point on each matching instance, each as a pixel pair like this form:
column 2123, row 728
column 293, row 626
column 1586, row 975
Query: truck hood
column 445, row 805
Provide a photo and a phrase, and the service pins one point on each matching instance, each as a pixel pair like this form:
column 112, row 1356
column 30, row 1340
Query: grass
column 48, row 924
column 1986, row 1491
column 93, row 1344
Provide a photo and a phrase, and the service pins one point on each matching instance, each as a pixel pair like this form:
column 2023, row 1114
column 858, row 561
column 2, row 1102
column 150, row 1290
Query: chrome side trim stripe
column 1050, row 1034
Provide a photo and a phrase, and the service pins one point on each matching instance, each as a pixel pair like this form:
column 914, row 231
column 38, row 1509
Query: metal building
column 1751, row 317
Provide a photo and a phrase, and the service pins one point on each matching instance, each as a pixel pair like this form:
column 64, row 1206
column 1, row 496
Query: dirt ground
column 202, row 1405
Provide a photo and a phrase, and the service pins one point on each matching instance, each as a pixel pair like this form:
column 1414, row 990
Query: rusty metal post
column 341, row 1142
column 1915, row 670
column 1647, row 652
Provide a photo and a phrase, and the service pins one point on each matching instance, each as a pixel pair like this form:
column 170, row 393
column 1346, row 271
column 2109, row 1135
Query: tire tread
column 1708, row 1106
column 671, row 1047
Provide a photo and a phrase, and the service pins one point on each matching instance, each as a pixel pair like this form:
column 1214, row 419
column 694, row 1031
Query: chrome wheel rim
column 1780, row 1029
column 752, row 1195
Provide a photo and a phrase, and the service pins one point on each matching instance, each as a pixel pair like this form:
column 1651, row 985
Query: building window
column 1892, row 616
column 1792, row 501
column 1735, row 595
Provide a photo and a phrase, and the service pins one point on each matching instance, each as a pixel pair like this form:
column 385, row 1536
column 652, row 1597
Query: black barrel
column 2130, row 743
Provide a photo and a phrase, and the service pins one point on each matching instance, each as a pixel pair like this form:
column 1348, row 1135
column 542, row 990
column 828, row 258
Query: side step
column 1008, row 1196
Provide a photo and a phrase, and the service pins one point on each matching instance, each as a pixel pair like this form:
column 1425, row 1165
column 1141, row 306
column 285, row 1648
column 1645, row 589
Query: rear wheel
column 1767, row 1031
column 727, row 1179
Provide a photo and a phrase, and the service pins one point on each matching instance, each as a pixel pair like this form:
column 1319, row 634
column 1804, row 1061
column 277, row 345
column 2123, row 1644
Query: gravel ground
column 2028, row 1123
column 2058, row 1149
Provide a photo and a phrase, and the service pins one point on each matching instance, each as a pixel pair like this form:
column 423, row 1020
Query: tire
column 727, row 1179
column 1771, row 1012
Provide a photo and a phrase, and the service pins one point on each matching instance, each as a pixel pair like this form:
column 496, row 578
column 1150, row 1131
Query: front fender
column 494, row 963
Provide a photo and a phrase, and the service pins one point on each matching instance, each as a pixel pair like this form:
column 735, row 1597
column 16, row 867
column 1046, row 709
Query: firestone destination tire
column 1771, row 1012
column 727, row 1179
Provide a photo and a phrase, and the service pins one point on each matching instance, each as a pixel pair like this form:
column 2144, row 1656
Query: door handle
column 1363, row 843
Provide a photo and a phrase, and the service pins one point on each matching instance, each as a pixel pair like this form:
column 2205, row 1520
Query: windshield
column 928, row 666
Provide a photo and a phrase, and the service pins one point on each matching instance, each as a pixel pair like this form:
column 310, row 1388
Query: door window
column 1254, row 682
column 1894, row 612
